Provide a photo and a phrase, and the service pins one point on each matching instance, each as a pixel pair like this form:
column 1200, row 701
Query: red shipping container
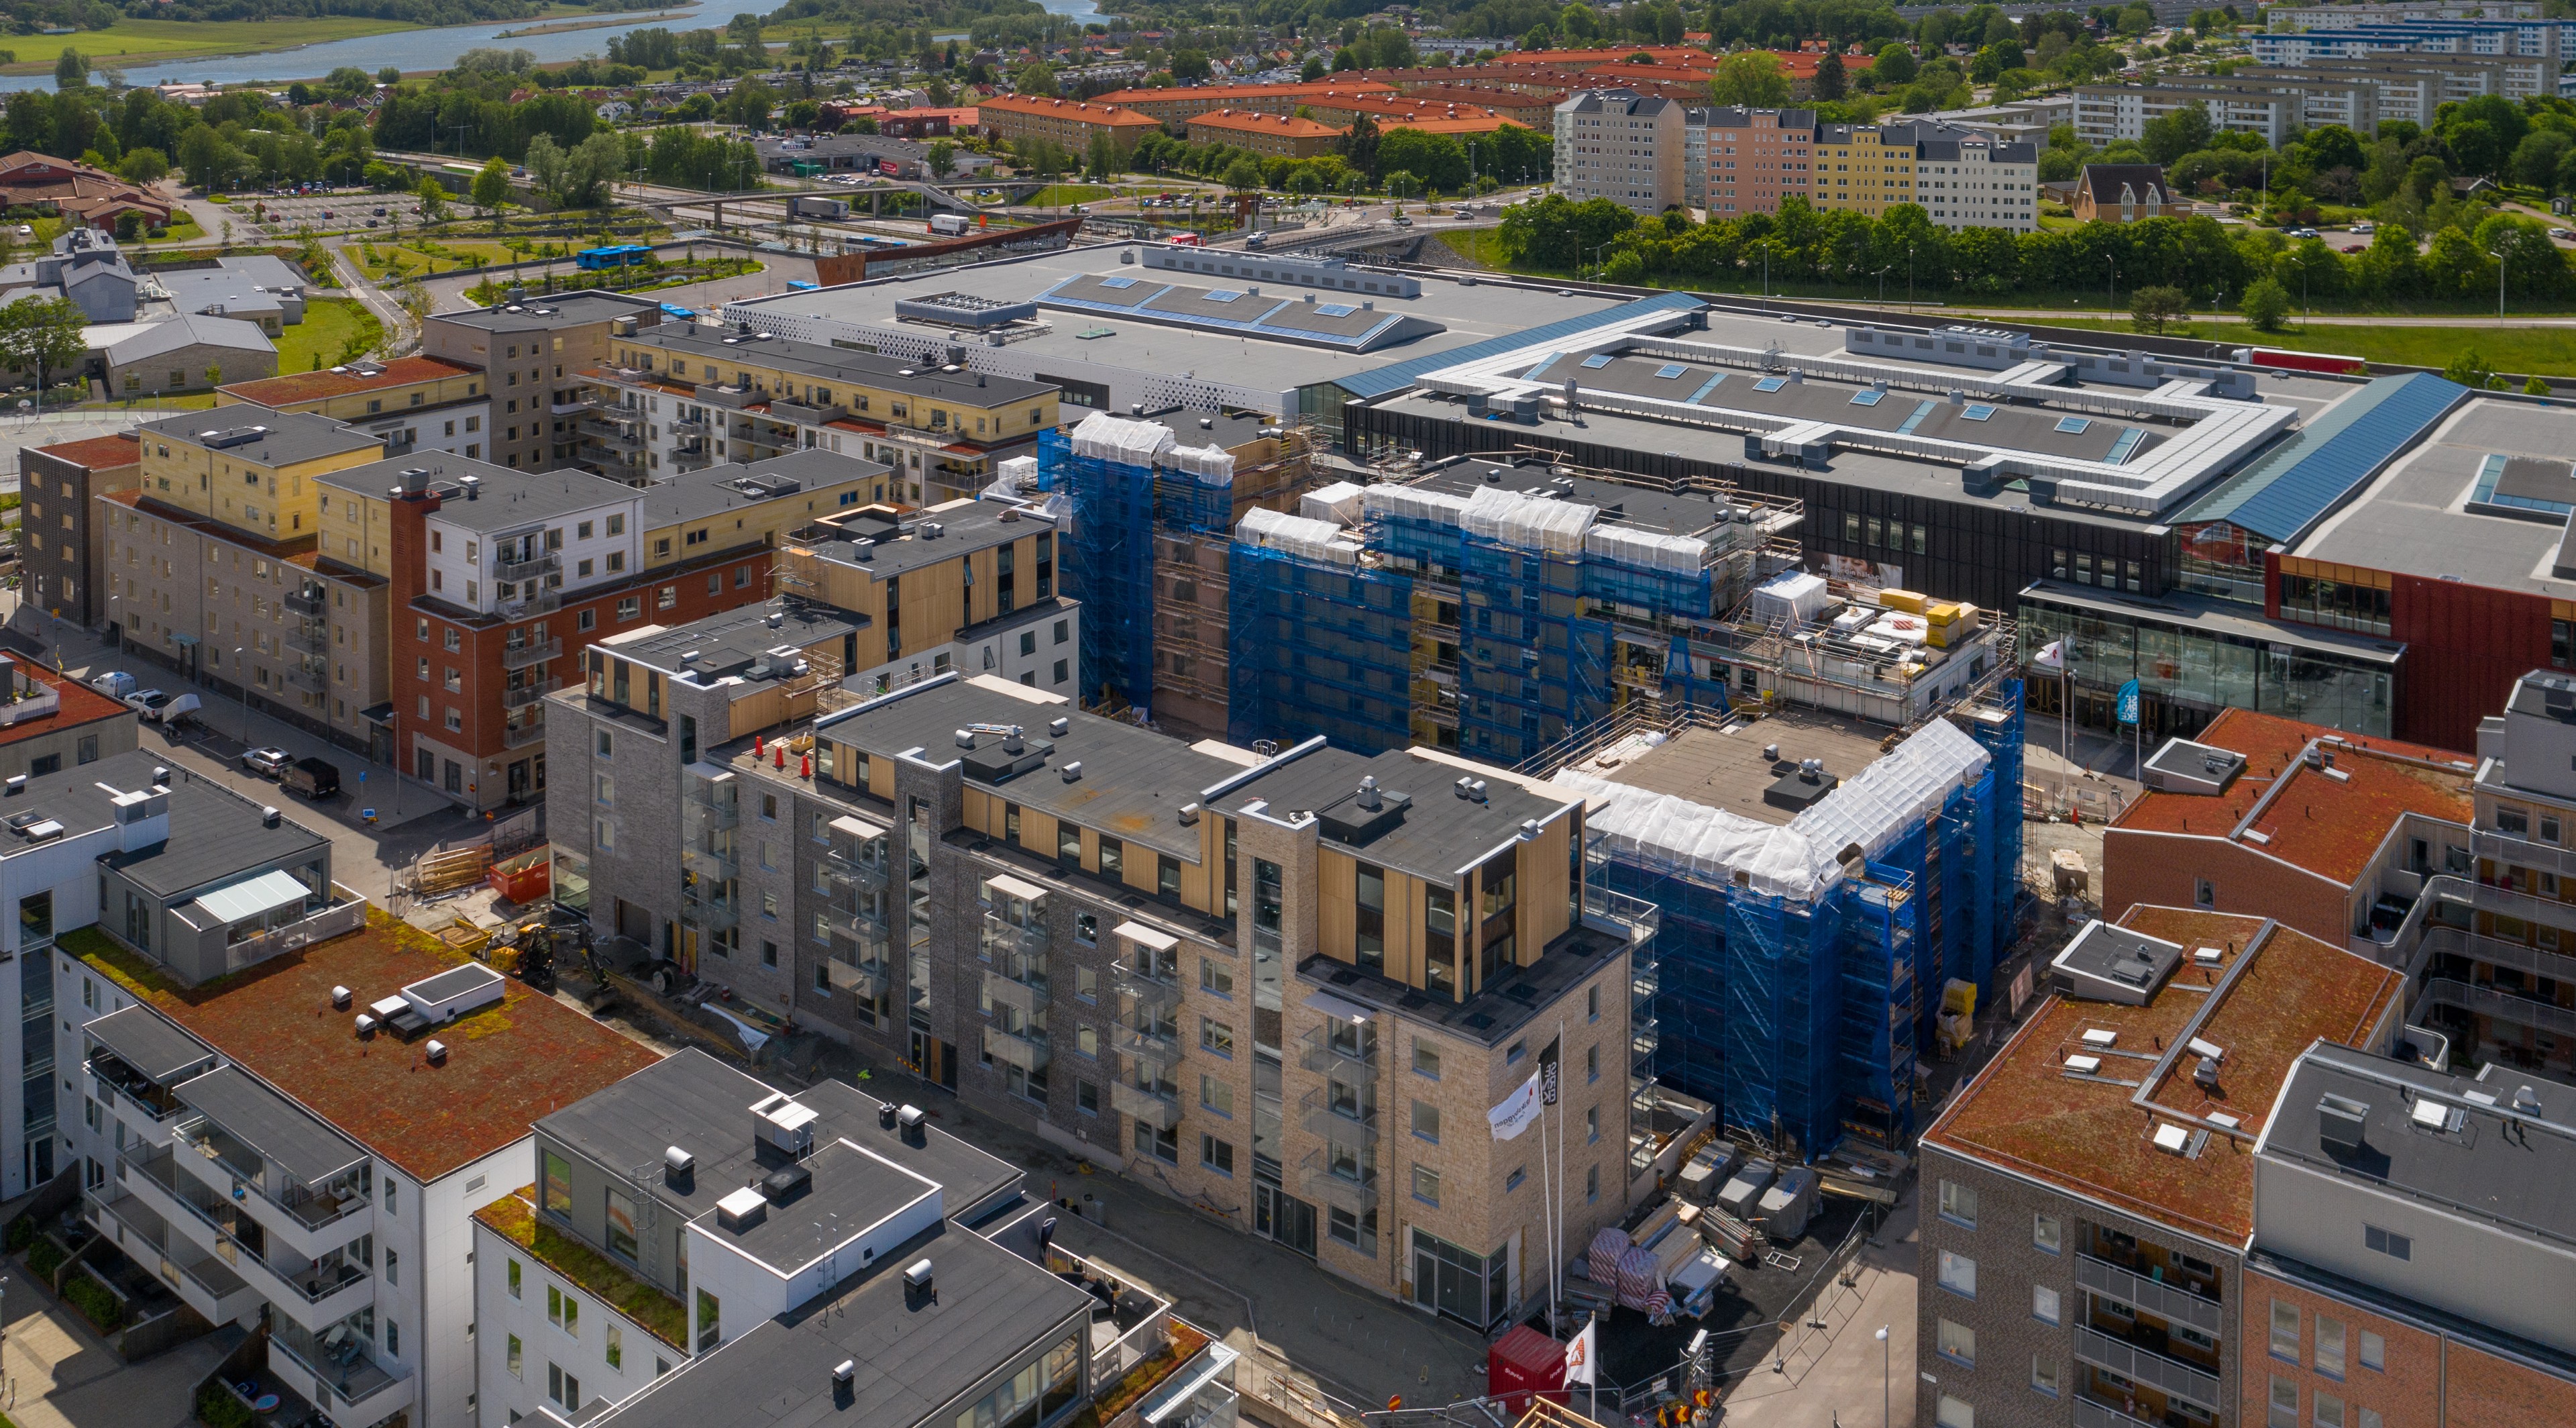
column 1522, row 1365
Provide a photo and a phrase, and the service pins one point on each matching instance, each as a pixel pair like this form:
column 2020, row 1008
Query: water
column 422, row 51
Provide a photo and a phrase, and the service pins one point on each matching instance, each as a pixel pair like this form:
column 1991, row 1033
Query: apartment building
column 2269, row 817
column 473, row 576
column 1274, row 135
column 2412, row 1246
column 534, row 352
column 51, row 721
column 2089, row 1194
column 2532, row 38
column 632, row 1270
column 1405, row 111
column 58, row 535
column 687, row 396
column 2342, row 17
column 411, row 403
column 302, row 1153
column 2272, row 105
column 1622, row 146
column 1864, row 168
column 1756, row 157
column 1176, row 107
column 1965, row 179
column 1072, row 123
column 1045, row 911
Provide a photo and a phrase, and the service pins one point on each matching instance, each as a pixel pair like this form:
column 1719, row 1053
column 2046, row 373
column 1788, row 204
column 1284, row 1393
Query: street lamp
column 2503, row 246
column 2114, row 304
column 1909, row 277
column 1886, row 1377
column 241, row 677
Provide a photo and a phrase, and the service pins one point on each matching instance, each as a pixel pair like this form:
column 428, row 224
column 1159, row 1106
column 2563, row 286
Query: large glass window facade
column 2201, row 671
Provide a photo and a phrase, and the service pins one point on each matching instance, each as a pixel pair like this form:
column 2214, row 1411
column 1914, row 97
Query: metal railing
column 2091, row 1414
column 308, row 602
column 709, row 863
column 527, row 567
column 2488, row 1002
column 1027, row 998
column 1322, row 1055
column 2169, row 1300
column 1019, row 1051
column 2182, row 1380
column 1154, row 1108
column 1148, row 1043
column 1358, row 1196
column 520, row 696
column 519, row 736
column 1356, row 1126
column 1150, row 989
column 322, row 926
column 522, row 653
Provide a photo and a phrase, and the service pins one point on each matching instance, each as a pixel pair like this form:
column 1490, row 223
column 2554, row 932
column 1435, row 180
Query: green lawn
column 324, row 337
column 167, row 39
column 1057, row 195
column 2522, row 351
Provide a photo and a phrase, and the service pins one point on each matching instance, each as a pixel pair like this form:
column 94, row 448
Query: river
column 422, row 51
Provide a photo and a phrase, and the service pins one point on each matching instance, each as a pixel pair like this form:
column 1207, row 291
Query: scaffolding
column 1320, row 641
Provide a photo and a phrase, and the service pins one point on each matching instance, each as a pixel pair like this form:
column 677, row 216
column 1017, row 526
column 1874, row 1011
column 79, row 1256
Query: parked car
column 159, row 708
column 2561, row 233
column 313, row 778
column 270, row 762
column 116, row 684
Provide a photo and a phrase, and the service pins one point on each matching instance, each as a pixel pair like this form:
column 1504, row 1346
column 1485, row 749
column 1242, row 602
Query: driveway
column 1825, row 1377
column 447, row 294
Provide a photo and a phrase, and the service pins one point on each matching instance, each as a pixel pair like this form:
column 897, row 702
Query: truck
column 951, row 225
column 803, row 206
column 314, row 778
column 116, row 684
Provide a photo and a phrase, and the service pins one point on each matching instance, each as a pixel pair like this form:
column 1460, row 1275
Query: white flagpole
column 1558, row 1256
column 1547, row 1202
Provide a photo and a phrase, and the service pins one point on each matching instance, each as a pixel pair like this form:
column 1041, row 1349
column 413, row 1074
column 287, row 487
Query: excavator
column 530, row 949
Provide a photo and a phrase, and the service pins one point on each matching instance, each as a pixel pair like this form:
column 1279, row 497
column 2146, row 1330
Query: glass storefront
column 2192, row 666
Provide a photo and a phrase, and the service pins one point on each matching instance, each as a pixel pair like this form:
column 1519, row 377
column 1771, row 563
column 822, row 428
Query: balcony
column 709, row 862
column 2092, row 1414
column 686, row 426
column 1018, row 1051
column 2492, row 1003
column 2189, row 1382
column 306, row 1290
column 520, row 654
column 1151, row 988
column 312, row 636
column 1157, row 1109
column 1357, row 1195
column 1001, row 936
column 1355, row 1127
column 867, row 979
column 2169, row 1300
column 713, row 915
column 1029, row 998
column 202, row 1280
column 1357, row 1065
column 311, row 604
column 613, row 433
column 1148, row 1044
column 525, row 693
column 531, row 567
column 337, row 1358
column 519, row 736
column 865, row 875
column 865, row 926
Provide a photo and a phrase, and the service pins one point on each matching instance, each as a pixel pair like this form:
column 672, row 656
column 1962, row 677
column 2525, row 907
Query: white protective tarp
column 1792, row 596
column 1015, row 477
column 1339, row 502
column 1648, row 550
column 1530, row 522
column 1905, row 787
column 1115, row 438
column 1211, row 464
column 1413, row 501
column 1314, row 540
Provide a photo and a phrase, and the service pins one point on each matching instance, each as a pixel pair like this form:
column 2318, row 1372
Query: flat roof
column 2329, row 822
column 2413, row 519
column 726, row 644
column 502, row 499
column 1629, row 503
column 2224, row 617
column 705, row 342
column 964, row 525
column 553, row 310
column 1436, row 835
column 75, row 704
column 849, row 1191
column 272, row 1019
column 147, row 1042
column 740, row 485
column 290, row 436
column 916, row 1353
column 99, row 453
column 345, row 381
column 303, row 1147
column 215, row 832
column 2091, row 1133
column 1724, row 767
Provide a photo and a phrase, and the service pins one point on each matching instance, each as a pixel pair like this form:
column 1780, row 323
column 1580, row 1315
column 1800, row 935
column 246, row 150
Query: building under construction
column 1152, row 501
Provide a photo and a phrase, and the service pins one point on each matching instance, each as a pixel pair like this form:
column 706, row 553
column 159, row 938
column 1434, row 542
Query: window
column 1591, row 1124
column 2043, row 1304
column 1958, row 1341
column 2204, row 893
column 2329, row 1412
column 1426, row 1059
column 1216, row 1155
column 1592, row 1063
column 1216, row 1095
column 1591, row 1183
column 2043, row 1375
column 1216, row 977
column 563, row 1311
column 2374, row 1352
column 1216, row 1036
column 1164, row 1146
column 1086, row 1098
column 2044, row 1233
column 1426, row 1121
column 1959, row 1204
column 2329, row 1346
column 562, row 1387
column 2387, row 1242
column 2285, row 1404
column 512, row 1272
column 558, row 1197
column 621, row 1223
column 1426, row 1184
column 2285, row 1331
column 1959, row 1274
column 518, row 1368
column 616, row 1348
column 710, row 1321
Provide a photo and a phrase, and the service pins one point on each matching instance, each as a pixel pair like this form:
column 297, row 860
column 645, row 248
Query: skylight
column 1978, row 412
column 2123, row 448
column 2073, row 426
column 1334, row 309
column 1118, row 282
column 1670, row 370
column 1870, row 398
column 1597, row 360
column 1223, row 295
column 1770, row 384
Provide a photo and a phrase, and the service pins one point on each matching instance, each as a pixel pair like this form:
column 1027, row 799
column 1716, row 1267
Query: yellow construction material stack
column 1905, row 600
column 1949, row 620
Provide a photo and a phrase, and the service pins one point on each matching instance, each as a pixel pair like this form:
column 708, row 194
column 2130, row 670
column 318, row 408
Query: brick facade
column 2146, row 866
column 2425, row 1378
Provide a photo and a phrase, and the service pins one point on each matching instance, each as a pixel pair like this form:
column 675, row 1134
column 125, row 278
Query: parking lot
column 279, row 215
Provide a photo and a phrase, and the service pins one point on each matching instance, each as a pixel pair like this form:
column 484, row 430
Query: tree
column 1752, row 80
column 389, row 75
column 2535, row 387
column 1359, row 143
column 43, row 333
column 2470, row 370
column 1831, row 82
column 1243, row 175
column 2150, row 308
column 433, row 200
column 1402, row 184
column 2537, row 158
column 545, row 163
column 492, row 187
column 2266, row 305
column 942, row 158
column 1037, row 79
column 71, row 71
column 2176, row 134
column 591, row 170
column 1895, row 67
column 144, row 165
column 1312, row 70
column 1188, row 64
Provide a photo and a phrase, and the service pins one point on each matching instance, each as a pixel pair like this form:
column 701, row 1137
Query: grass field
column 2522, row 351
column 166, row 39
column 1055, row 195
column 330, row 325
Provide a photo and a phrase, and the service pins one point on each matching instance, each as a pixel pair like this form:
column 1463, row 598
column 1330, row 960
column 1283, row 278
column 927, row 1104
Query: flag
column 2129, row 702
column 1516, row 1111
column 1549, row 1074
column 1579, row 1355
column 2052, row 656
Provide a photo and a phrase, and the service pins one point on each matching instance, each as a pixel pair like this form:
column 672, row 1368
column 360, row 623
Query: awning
column 142, row 1039
column 858, row 828
column 307, row 1149
column 1144, row 936
column 251, row 897
column 1008, row 886
column 378, row 713
column 1339, row 1008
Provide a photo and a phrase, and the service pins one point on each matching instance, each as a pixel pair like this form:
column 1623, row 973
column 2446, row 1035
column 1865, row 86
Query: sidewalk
column 1840, row 1375
column 60, row 1376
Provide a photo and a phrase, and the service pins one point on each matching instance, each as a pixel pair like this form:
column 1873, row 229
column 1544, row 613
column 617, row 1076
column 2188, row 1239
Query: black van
column 312, row 778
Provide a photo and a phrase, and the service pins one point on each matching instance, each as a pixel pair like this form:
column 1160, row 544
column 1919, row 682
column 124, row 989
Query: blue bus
column 799, row 285
column 621, row 255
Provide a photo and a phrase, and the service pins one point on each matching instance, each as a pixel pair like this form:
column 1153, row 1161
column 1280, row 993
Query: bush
column 94, row 1301
column 2266, row 304
column 218, row 1409
column 22, row 1233
column 44, row 1257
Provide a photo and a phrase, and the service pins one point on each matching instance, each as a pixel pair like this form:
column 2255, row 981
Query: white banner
column 1579, row 1366
column 1517, row 1110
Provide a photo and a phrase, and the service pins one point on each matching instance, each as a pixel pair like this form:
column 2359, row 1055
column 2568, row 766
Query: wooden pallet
column 452, row 871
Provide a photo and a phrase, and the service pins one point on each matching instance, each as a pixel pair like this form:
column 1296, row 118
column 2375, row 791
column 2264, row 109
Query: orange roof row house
column 1281, row 135
column 1179, row 106
column 1070, row 122
column 86, row 195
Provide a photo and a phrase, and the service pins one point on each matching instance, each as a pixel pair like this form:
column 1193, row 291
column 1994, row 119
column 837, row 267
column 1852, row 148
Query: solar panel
column 1869, row 398
column 1670, row 370
column 1223, row 295
column 1978, row 412
column 1770, row 384
column 1597, row 360
column 1334, row 309
column 2073, row 426
column 1118, row 282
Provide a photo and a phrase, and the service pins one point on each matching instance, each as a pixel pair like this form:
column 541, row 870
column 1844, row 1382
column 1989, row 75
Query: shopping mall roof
column 2434, row 513
column 2297, row 483
column 2127, row 1122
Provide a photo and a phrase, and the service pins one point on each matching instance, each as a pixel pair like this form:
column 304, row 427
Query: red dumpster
column 1522, row 1365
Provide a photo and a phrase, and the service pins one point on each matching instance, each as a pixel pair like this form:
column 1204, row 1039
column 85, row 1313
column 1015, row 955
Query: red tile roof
column 2309, row 818
column 277, row 392
column 507, row 1066
column 2026, row 1114
column 99, row 453
column 77, row 704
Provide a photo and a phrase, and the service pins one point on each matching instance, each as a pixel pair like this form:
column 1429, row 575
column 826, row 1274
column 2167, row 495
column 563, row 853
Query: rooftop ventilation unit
column 1061, row 727
column 916, row 1275
column 160, row 776
column 783, row 1185
column 366, row 1025
column 845, row 1373
column 742, row 1209
column 2437, row 1116
column 886, row 1115
column 1073, row 771
column 341, row 997
column 2526, row 1101
column 779, row 1121
column 17, row 785
column 909, row 1117
column 437, row 1051
column 269, row 816
column 678, row 1164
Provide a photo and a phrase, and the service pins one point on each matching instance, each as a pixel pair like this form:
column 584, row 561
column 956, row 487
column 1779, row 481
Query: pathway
column 59, row 1375
column 1825, row 1378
